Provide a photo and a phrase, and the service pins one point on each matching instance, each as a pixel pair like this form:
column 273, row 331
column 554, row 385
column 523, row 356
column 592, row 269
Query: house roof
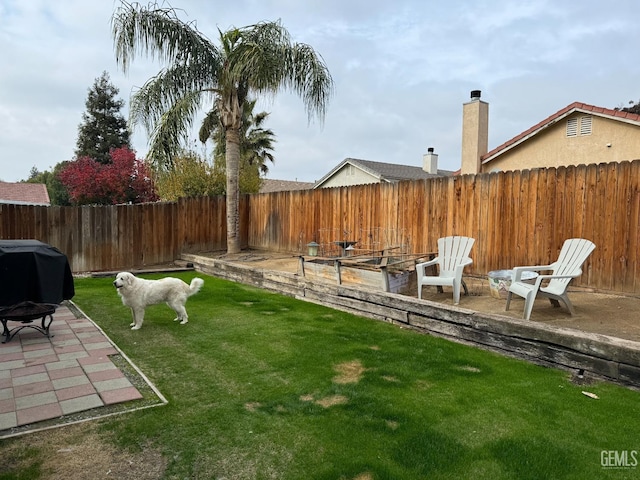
column 24, row 193
column 385, row 172
column 269, row 185
column 556, row 117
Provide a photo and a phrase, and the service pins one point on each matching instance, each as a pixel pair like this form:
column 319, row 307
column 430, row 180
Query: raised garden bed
column 384, row 270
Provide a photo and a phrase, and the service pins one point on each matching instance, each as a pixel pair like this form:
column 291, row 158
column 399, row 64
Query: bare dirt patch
column 326, row 402
column 393, row 425
column 422, row 385
column 252, row 406
column 363, row 476
column 469, row 368
column 332, row 400
column 349, row 372
column 82, row 453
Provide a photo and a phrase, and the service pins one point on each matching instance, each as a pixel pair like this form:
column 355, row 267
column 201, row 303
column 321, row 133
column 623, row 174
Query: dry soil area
column 596, row 312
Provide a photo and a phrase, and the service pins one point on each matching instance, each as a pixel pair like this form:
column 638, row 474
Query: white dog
column 138, row 293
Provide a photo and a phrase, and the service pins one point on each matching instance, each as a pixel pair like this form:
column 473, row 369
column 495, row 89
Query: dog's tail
column 195, row 286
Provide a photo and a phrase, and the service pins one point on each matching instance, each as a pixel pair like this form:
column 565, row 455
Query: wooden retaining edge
column 613, row 359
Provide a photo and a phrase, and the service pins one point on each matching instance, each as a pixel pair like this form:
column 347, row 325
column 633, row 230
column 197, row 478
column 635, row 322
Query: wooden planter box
column 383, row 272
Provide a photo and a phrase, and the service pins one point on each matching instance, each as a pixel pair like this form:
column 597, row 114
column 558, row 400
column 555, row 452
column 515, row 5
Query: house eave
column 340, row 166
column 590, row 111
column 19, row 202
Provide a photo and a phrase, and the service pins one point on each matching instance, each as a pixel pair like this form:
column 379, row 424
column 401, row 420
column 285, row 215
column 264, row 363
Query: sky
column 402, row 71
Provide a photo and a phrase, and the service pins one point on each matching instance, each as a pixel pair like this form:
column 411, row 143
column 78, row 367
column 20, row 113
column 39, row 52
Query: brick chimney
column 475, row 133
column 430, row 162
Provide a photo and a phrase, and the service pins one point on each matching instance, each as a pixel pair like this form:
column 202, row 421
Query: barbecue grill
column 34, row 279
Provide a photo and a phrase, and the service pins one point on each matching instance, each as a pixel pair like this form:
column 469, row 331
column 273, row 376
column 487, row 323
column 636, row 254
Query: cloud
column 402, row 71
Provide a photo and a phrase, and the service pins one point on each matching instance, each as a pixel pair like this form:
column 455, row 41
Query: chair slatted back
column 452, row 251
column 573, row 254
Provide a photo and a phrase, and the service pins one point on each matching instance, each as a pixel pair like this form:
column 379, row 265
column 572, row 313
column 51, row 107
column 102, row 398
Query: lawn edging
column 601, row 356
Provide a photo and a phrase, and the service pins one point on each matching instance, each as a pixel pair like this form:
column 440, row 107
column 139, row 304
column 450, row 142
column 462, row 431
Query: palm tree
column 254, row 60
column 256, row 142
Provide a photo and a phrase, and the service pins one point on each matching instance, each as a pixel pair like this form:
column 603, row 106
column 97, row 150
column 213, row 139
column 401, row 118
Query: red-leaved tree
column 125, row 180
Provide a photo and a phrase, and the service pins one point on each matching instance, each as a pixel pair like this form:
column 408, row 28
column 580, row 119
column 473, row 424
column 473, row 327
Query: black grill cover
column 33, row 271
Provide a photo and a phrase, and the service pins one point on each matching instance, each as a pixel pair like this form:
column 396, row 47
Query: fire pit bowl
column 26, row 313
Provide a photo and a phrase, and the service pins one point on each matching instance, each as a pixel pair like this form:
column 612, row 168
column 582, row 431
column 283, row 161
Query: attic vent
column 579, row 126
column 585, row 125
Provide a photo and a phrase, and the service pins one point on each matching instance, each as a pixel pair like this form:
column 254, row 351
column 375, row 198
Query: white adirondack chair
column 574, row 253
column 453, row 256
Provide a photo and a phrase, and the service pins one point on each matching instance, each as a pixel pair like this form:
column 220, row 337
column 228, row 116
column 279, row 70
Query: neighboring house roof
column 556, row 117
column 24, row 193
column 270, row 186
column 384, row 172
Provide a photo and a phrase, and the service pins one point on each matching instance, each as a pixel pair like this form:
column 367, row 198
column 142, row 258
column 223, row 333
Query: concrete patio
column 67, row 378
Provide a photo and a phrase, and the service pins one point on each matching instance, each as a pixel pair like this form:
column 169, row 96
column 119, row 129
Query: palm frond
column 258, row 56
column 259, row 118
column 171, row 87
column 157, row 33
column 171, row 131
column 210, row 123
column 309, row 77
column 265, row 58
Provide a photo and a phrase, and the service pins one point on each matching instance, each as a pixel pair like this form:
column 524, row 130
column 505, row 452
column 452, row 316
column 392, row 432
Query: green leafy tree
column 193, row 176
column 249, row 178
column 256, row 145
column 58, row 193
column 103, row 127
column 251, row 61
column 35, row 175
column 190, row 176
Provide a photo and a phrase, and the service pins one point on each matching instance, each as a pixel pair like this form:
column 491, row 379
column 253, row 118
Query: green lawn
column 265, row 386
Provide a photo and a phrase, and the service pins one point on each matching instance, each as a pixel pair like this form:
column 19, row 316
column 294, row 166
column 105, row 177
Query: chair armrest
column 460, row 267
column 542, row 278
column 550, row 277
column 420, row 267
column 466, row 261
column 428, row 263
column 517, row 271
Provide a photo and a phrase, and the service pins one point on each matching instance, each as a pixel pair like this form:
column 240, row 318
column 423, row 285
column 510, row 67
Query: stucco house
column 577, row 134
column 352, row 171
column 24, row 193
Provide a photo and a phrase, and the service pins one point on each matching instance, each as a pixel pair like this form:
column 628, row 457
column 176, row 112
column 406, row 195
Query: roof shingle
column 24, row 193
column 386, row 172
column 270, row 186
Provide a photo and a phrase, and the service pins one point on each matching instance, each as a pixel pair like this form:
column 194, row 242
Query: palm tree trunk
column 232, row 157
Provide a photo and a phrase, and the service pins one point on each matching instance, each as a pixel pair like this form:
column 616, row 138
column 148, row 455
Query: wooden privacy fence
column 118, row 237
column 517, row 218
